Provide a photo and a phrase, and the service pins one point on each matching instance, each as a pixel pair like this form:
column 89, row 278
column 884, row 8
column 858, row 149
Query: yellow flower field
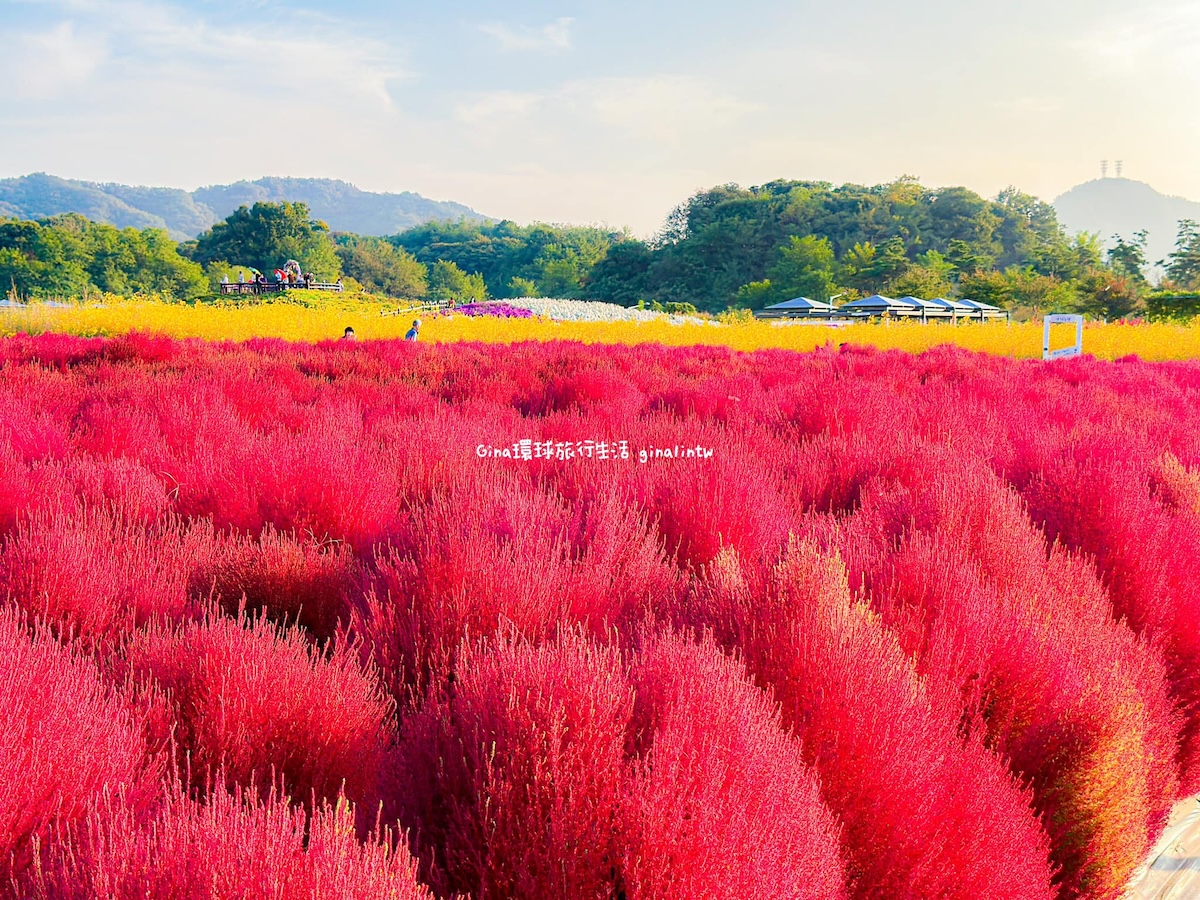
column 371, row 320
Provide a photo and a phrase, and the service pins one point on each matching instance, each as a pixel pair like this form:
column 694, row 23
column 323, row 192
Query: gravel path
column 1173, row 870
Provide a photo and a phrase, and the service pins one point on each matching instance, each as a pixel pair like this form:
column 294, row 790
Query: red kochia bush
column 1076, row 703
column 720, row 805
column 1146, row 551
column 65, row 740
column 491, row 550
column 230, row 847
column 291, row 579
column 511, row 778
column 93, row 572
column 337, row 488
column 260, row 704
column 924, row 813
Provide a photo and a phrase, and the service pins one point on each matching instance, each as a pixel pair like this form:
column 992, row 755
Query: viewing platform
column 276, row 287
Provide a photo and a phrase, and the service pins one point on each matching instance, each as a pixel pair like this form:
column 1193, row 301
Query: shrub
column 65, row 740
column 260, row 704
column 228, row 847
column 924, row 813
column 93, row 572
column 720, row 804
column 511, row 778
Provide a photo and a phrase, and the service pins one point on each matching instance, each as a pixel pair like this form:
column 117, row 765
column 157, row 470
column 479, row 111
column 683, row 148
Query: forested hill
column 724, row 247
column 186, row 214
column 1109, row 206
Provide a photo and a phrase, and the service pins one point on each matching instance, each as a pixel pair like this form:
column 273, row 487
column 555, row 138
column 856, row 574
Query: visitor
column 241, row 276
column 224, row 279
column 414, row 331
column 349, row 334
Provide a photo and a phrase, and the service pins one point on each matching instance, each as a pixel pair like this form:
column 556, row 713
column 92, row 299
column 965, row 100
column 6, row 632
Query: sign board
column 1063, row 352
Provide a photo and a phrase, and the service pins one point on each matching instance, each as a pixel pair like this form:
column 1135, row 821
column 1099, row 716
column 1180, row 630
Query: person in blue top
column 414, row 331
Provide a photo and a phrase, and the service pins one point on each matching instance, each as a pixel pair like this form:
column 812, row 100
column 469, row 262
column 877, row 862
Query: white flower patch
column 563, row 310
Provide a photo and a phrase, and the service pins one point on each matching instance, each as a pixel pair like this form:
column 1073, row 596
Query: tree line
column 727, row 247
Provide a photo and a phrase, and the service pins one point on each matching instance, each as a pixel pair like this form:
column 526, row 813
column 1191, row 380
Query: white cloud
column 1153, row 36
column 657, row 109
column 549, row 38
column 42, row 65
column 153, row 44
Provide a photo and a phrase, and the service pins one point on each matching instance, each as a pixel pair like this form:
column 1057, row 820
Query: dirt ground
column 1172, row 871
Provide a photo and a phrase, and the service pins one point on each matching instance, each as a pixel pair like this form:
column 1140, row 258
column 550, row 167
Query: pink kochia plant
column 257, row 704
column 922, row 626
column 924, row 813
column 720, row 803
column 511, row 776
column 66, row 740
column 228, row 847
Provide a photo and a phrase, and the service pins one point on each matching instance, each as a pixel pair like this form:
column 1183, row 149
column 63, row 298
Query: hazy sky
column 601, row 112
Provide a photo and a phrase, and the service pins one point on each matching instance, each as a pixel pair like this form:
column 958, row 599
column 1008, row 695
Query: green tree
column 805, row 268
column 563, row 257
column 622, row 276
column 522, row 287
column 1129, row 257
column 928, row 278
column 964, row 259
column 40, row 261
column 891, row 261
column 1022, row 288
column 64, row 256
column 857, row 267
column 382, row 267
column 756, row 295
column 448, row 282
column 1183, row 264
column 1107, row 295
column 561, row 271
column 268, row 234
column 157, row 266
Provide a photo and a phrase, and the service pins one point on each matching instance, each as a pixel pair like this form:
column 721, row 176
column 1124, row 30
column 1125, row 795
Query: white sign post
column 1063, row 352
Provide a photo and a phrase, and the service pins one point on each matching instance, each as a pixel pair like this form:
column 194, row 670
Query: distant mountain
column 1109, row 206
column 185, row 215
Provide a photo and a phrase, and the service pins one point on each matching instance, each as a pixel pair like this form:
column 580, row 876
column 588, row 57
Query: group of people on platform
column 287, row 275
column 285, row 279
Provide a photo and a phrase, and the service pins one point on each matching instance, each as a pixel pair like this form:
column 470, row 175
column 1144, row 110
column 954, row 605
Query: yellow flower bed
column 298, row 322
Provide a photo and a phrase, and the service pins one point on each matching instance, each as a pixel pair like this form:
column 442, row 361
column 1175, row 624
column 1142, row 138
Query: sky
column 601, row 113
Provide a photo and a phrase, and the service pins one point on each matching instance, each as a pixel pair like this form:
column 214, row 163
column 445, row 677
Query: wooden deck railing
column 423, row 307
column 275, row 287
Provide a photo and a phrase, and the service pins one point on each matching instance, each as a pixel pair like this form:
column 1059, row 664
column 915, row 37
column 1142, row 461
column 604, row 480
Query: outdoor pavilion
column 877, row 305
column 983, row 311
column 926, row 308
column 797, row 308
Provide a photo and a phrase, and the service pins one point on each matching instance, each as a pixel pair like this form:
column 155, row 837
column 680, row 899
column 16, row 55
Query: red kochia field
column 292, row 621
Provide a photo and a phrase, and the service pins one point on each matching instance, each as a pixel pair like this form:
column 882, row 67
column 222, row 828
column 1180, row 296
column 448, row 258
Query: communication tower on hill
column 1120, row 167
column 1104, row 168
